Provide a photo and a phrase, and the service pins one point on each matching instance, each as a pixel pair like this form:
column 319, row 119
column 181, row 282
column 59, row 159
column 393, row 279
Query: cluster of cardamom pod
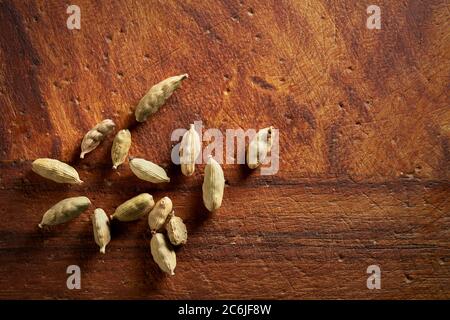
column 167, row 229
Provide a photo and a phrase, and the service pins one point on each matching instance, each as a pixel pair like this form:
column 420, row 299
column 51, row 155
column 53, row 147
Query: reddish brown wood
column 364, row 124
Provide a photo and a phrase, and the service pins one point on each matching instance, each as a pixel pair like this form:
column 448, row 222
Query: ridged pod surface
column 64, row 211
column 95, row 136
column 189, row 150
column 100, row 225
column 163, row 253
column 213, row 185
column 158, row 216
column 157, row 96
column 121, row 146
column 56, row 171
column 176, row 231
column 259, row 147
column 148, row 171
column 134, row 208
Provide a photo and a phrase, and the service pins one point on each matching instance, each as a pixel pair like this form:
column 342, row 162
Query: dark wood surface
column 364, row 124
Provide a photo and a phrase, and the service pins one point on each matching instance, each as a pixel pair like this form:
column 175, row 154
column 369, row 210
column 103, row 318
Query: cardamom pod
column 96, row 135
column 148, row 171
column 100, row 225
column 134, row 208
column 56, row 170
column 189, row 150
column 156, row 97
column 176, row 230
column 259, row 147
column 163, row 253
column 158, row 216
column 120, row 147
column 64, row 211
column 213, row 185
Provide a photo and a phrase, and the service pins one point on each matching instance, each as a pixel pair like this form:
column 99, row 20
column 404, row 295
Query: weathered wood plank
column 364, row 146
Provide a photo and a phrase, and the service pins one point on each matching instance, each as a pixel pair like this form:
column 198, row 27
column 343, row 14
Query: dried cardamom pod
column 189, row 150
column 156, row 96
column 213, row 185
column 148, row 171
column 100, row 225
column 96, row 135
column 158, row 216
column 134, row 208
column 163, row 253
column 259, row 147
column 120, row 147
column 56, row 170
column 64, row 211
column 176, row 230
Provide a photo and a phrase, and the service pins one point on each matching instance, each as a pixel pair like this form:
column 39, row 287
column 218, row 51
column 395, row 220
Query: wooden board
column 364, row 125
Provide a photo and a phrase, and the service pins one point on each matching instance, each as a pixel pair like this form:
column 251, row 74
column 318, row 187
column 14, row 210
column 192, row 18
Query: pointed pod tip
column 40, row 225
column 102, row 250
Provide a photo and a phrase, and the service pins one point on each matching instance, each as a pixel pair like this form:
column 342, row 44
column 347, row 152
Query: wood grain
column 364, row 124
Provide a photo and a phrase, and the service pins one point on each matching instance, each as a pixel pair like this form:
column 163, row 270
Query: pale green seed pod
column 95, row 136
column 163, row 253
column 157, row 96
column 56, row 170
column 259, row 147
column 213, row 185
column 121, row 146
column 134, row 208
column 189, row 150
column 64, row 211
column 158, row 216
column 148, row 171
column 100, row 226
column 176, row 231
